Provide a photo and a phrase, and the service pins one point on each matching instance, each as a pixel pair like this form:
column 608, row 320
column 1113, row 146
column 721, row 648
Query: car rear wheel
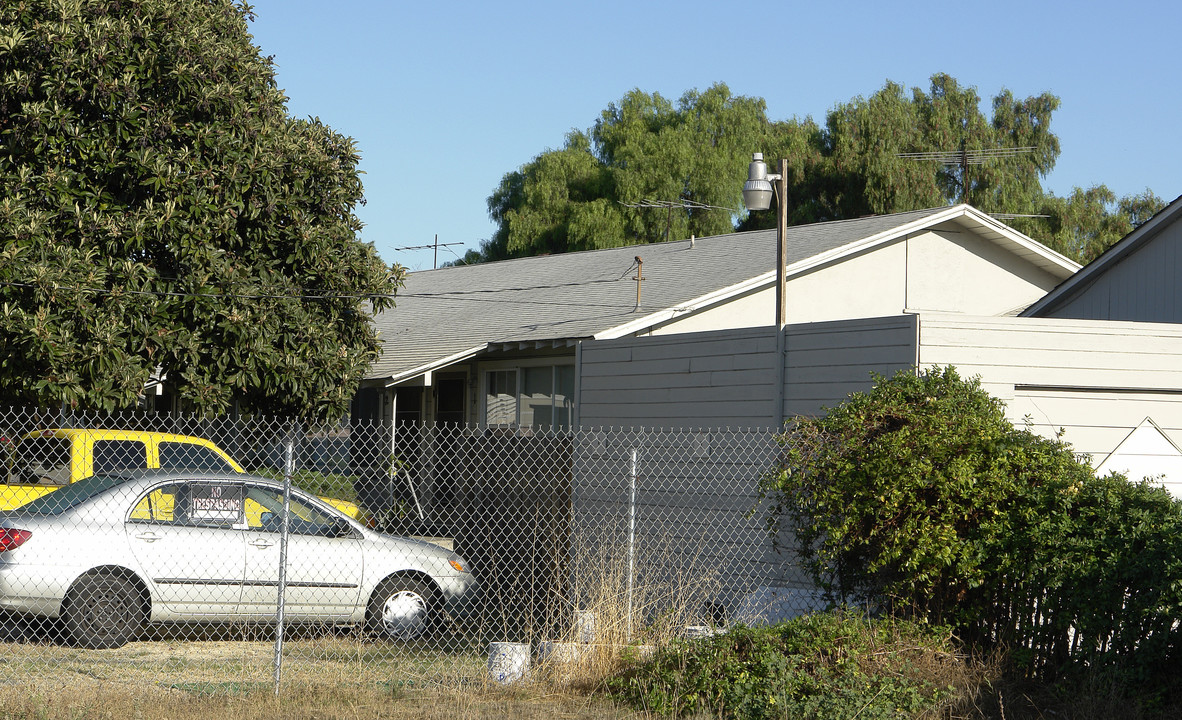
column 103, row 610
column 402, row 608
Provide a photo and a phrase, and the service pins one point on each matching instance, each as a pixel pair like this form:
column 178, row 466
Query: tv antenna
column 670, row 205
column 436, row 245
column 964, row 157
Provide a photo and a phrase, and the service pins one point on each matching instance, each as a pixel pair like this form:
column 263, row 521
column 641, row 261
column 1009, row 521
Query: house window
column 538, row 397
column 501, row 398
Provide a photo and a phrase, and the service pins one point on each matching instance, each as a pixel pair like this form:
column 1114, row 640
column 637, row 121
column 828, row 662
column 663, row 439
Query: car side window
column 112, row 455
column 213, row 504
column 192, row 504
column 42, row 460
column 264, row 512
column 158, row 506
column 188, row 456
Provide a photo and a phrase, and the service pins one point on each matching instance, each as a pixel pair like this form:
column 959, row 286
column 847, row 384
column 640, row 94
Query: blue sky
column 443, row 99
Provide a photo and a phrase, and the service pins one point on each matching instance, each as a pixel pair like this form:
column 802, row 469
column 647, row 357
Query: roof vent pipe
column 638, row 278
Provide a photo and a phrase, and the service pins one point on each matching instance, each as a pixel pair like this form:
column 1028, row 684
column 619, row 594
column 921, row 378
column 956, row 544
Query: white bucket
column 557, row 653
column 585, row 626
column 508, row 662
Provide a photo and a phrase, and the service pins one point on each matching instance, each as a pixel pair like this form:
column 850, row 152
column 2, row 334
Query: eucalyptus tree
column 162, row 213
column 648, row 170
column 896, row 151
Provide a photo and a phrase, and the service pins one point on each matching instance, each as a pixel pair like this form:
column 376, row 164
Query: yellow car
column 45, row 460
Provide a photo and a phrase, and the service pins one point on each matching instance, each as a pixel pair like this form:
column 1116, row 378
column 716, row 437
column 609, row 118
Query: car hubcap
column 404, row 614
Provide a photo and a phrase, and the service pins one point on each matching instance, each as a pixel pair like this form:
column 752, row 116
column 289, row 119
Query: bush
column 1115, row 584
column 921, row 495
column 921, row 498
column 829, row 665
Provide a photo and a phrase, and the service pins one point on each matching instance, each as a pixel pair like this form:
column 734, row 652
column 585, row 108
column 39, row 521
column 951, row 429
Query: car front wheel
column 402, row 608
column 103, row 610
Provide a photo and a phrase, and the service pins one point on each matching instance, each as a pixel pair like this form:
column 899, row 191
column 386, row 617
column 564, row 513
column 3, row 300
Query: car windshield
column 72, row 495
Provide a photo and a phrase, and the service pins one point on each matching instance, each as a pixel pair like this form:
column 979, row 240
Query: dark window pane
column 110, row 455
column 175, row 455
column 44, row 460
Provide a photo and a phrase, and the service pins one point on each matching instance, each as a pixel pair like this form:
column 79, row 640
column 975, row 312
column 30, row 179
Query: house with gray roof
column 1094, row 361
column 499, row 344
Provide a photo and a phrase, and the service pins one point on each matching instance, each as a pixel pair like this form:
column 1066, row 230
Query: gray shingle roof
column 452, row 312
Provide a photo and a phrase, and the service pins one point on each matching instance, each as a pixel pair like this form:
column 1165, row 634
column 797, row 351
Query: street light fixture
column 757, row 195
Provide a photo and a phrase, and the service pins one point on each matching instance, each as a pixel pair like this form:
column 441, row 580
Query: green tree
column 872, row 156
column 878, row 159
column 1088, row 222
column 161, row 211
column 864, row 160
column 599, row 189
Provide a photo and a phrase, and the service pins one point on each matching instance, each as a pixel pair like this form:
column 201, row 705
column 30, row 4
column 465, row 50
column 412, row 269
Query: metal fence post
column 288, row 471
column 631, row 536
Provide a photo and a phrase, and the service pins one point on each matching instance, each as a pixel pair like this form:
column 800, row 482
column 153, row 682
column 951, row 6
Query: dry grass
column 632, row 607
column 83, row 701
column 323, row 678
column 342, row 677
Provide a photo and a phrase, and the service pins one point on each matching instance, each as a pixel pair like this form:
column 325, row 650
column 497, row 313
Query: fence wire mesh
column 180, row 549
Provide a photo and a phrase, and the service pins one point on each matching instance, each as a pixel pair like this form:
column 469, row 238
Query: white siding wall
column 1142, row 287
column 728, row 378
column 944, row 270
column 961, row 272
column 828, row 361
column 756, row 309
column 1094, row 380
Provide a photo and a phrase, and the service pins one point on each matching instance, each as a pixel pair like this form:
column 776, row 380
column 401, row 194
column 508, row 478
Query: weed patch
column 824, row 666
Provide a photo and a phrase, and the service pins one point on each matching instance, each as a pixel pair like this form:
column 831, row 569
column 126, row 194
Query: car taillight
column 12, row 539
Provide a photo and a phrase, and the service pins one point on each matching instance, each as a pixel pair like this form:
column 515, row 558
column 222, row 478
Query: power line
column 479, row 294
column 435, row 245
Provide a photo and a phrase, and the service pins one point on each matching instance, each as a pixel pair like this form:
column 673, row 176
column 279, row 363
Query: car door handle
column 147, row 536
column 261, row 543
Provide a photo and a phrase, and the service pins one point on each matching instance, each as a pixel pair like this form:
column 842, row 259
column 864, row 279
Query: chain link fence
column 182, row 549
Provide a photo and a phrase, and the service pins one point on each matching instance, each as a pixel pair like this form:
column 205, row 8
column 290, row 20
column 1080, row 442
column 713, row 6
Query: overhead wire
column 469, row 294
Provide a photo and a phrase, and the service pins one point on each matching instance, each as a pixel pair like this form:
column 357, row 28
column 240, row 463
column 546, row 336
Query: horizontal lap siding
column 709, row 380
column 729, row 378
column 828, row 361
column 1095, row 380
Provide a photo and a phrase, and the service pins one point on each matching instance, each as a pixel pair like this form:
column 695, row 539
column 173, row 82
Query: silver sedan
column 108, row 555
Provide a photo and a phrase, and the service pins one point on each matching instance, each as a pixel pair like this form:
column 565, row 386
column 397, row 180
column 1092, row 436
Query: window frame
column 519, row 368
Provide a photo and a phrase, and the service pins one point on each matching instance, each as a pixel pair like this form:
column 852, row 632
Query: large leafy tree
column 649, row 170
column 894, row 151
column 161, row 212
column 873, row 144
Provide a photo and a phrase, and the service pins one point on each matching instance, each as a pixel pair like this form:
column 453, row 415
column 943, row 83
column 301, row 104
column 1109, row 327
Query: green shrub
column 922, row 498
column 1116, row 581
column 823, row 666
